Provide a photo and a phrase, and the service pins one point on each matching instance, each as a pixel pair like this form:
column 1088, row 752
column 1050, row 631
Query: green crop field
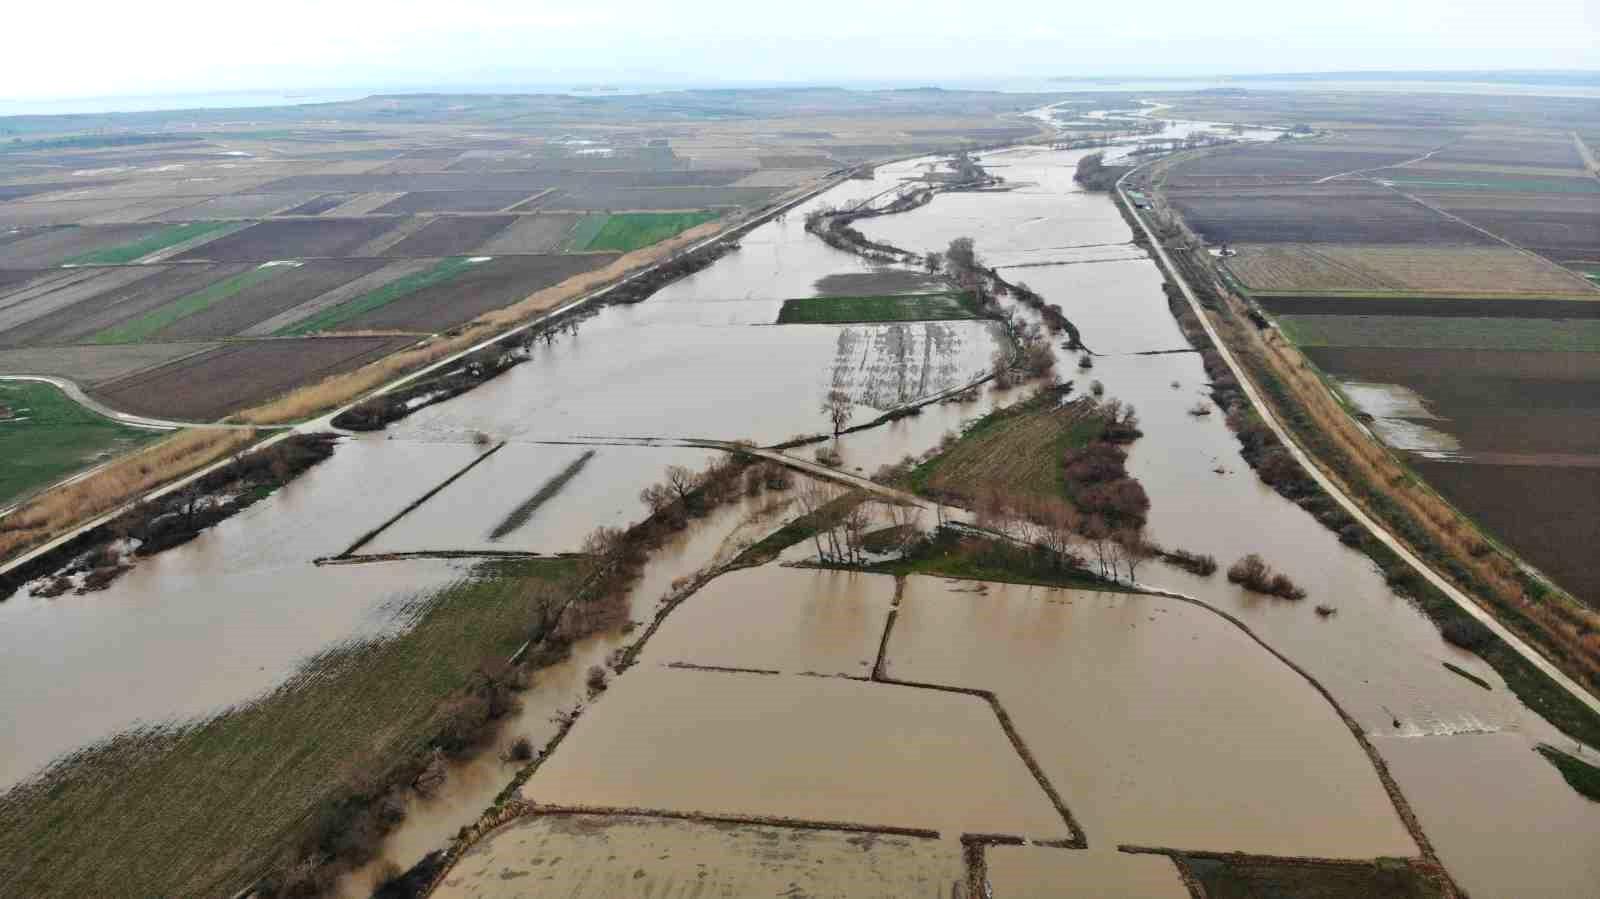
column 45, row 436
column 1443, row 332
column 908, row 307
column 630, row 231
column 141, row 328
column 166, row 237
column 383, row 296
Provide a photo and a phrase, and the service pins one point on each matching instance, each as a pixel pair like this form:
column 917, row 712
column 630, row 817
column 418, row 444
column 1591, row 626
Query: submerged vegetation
column 1583, row 776
column 906, row 307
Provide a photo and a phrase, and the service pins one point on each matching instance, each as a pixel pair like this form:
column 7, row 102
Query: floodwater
column 215, row 622
column 1133, row 706
column 812, row 748
column 603, row 492
column 791, row 620
column 600, row 857
column 232, row 614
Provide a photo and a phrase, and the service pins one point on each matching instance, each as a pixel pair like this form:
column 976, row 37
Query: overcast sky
column 103, row 48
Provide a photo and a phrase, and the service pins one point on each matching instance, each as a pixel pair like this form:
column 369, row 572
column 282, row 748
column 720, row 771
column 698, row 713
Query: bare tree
column 1135, row 551
column 658, row 497
column 838, row 408
column 813, row 496
column 933, row 262
column 682, row 481
column 856, row 522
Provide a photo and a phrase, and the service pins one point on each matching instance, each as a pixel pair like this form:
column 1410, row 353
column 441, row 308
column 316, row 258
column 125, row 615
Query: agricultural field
column 232, row 376
column 45, row 435
column 1356, row 268
column 909, row 307
column 1455, row 279
column 632, row 231
column 121, row 245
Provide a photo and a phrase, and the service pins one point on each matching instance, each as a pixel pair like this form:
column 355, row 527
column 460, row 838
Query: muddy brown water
column 1016, row 872
column 1132, row 705
column 693, row 362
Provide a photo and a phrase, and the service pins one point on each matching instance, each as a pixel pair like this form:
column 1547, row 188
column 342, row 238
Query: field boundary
column 1333, row 489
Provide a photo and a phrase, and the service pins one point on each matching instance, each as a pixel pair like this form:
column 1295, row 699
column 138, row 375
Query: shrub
column 1253, row 573
column 1467, row 632
column 595, row 679
column 521, row 750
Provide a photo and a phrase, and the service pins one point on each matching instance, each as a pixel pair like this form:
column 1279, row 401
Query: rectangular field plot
column 90, row 365
column 455, row 291
column 889, row 308
column 1419, row 178
column 1149, row 739
column 634, row 857
column 450, row 236
column 1307, row 268
column 456, row 201
column 1431, row 305
column 54, row 290
column 1101, row 873
column 631, row 231
column 207, row 386
column 810, row 748
column 663, row 199
column 537, row 498
column 1557, row 227
column 1333, row 213
column 793, row 620
column 1443, row 333
column 532, row 234
column 292, row 239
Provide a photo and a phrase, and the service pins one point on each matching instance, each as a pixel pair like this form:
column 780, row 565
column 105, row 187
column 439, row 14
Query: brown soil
column 451, row 236
column 480, row 288
column 455, row 201
column 262, row 301
column 209, row 386
column 55, row 245
column 1547, row 512
column 1328, row 213
column 292, row 239
column 1432, row 306
column 116, row 304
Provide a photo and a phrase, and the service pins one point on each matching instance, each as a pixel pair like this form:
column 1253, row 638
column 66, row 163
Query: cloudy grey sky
column 101, row 48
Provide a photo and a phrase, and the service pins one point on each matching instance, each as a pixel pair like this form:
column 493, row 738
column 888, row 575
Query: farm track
column 1309, row 464
column 76, row 393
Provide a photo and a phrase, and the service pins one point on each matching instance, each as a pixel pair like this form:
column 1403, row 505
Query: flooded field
column 794, row 621
column 1130, row 703
column 1158, row 722
column 598, row 857
column 841, row 751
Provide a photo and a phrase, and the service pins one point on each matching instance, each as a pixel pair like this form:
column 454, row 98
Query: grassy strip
column 47, row 435
column 802, row 528
column 629, row 231
column 1448, row 332
column 585, row 231
column 143, row 247
column 376, row 299
column 520, row 515
column 1019, row 449
column 201, row 811
column 952, row 554
column 1242, row 877
column 1468, row 675
column 141, row 328
column 909, row 307
column 1584, row 777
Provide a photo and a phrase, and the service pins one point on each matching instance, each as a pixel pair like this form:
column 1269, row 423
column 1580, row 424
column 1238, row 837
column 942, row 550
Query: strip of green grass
column 586, row 230
column 953, row 555
column 909, row 307
column 48, row 436
column 1584, row 777
column 383, row 296
column 198, row 812
column 1443, row 332
column 630, row 231
column 1407, row 294
column 141, row 328
column 166, row 237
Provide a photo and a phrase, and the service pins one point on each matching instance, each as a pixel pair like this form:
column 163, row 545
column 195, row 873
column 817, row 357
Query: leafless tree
column 855, row 525
column 682, row 481
column 813, row 496
column 838, row 408
column 658, row 497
